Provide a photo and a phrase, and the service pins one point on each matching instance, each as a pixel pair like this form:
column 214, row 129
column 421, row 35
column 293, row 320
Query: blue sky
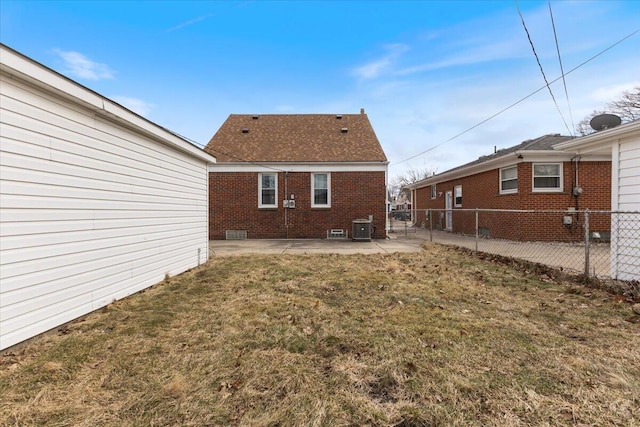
column 425, row 71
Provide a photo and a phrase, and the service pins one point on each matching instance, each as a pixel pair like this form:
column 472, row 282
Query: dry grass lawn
column 437, row 338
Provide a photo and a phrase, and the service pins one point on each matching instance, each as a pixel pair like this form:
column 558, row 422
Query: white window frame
column 433, row 191
column 313, row 191
column 512, row 190
column 260, row 204
column 558, row 189
column 457, row 189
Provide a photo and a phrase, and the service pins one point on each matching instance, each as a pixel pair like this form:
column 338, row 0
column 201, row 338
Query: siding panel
column 91, row 210
column 625, row 237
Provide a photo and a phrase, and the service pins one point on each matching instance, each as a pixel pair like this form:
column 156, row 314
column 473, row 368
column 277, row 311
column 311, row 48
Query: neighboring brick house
column 529, row 176
column 295, row 176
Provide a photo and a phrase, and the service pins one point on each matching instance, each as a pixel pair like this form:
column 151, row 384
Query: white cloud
column 134, row 104
column 191, row 22
column 486, row 53
column 377, row 67
column 445, row 91
column 611, row 93
column 80, row 66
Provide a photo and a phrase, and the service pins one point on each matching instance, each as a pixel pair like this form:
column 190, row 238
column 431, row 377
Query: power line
column 526, row 30
column 564, row 82
column 230, row 155
column 521, row 100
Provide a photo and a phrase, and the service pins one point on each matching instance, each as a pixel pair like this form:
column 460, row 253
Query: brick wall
column 233, row 205
column 483, row 191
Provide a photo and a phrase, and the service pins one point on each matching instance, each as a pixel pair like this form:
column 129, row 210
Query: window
column 320, row 190
column 509, row 180
column 457, row 196
column 547, row 177
column 267, row 190
column 433, row 191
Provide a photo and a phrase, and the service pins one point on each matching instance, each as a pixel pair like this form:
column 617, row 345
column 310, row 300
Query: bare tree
column 627, row 107
column 410, row 176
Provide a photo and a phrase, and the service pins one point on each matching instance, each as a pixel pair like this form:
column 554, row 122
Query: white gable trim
column 600, row 140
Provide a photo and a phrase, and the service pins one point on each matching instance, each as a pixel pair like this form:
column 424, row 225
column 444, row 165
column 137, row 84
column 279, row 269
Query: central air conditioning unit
column 361, row 230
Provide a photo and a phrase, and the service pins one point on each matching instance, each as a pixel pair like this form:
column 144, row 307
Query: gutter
column 595, row 139
column 22, row 68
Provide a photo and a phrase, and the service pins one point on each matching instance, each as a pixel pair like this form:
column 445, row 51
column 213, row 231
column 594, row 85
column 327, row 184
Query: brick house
column 295, row 176
column 529, row 176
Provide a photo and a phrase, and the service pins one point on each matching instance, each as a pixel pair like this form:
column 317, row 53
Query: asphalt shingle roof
column 542, row 143
column 296, row 138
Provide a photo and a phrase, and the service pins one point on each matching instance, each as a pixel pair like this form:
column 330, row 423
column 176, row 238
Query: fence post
column 477, row 233
column 586, row 243
column 405, row 222
column 430, row 225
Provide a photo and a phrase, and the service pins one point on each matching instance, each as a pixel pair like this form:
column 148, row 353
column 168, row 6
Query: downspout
column 575, row 186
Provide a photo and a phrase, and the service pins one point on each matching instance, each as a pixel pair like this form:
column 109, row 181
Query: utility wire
column 526, row 30
column 564, row 82
column 521, row 100
column 230, row 155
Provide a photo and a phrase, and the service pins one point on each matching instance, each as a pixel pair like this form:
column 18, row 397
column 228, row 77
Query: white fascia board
column 600, row 141
column 299, row 167
column 128, row 118
column 17, row 66
column 509, row 159
column 531, row 156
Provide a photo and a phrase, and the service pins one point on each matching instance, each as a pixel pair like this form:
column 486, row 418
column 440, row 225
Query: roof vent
column 255, row 117
column 338, row 116
column 344, row 130
column 245, row 130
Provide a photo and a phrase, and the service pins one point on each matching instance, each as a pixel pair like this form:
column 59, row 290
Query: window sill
column 268, row 208
column 321, row 207
column 547, row 191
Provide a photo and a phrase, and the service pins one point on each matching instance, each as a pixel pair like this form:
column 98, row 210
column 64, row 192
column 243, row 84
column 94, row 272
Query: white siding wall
column 626, row 234
column 90, row 211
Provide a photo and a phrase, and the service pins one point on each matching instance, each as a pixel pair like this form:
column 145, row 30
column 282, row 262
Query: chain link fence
column 600, row 244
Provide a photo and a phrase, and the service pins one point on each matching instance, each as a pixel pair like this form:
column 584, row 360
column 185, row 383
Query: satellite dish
column 605, row 121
